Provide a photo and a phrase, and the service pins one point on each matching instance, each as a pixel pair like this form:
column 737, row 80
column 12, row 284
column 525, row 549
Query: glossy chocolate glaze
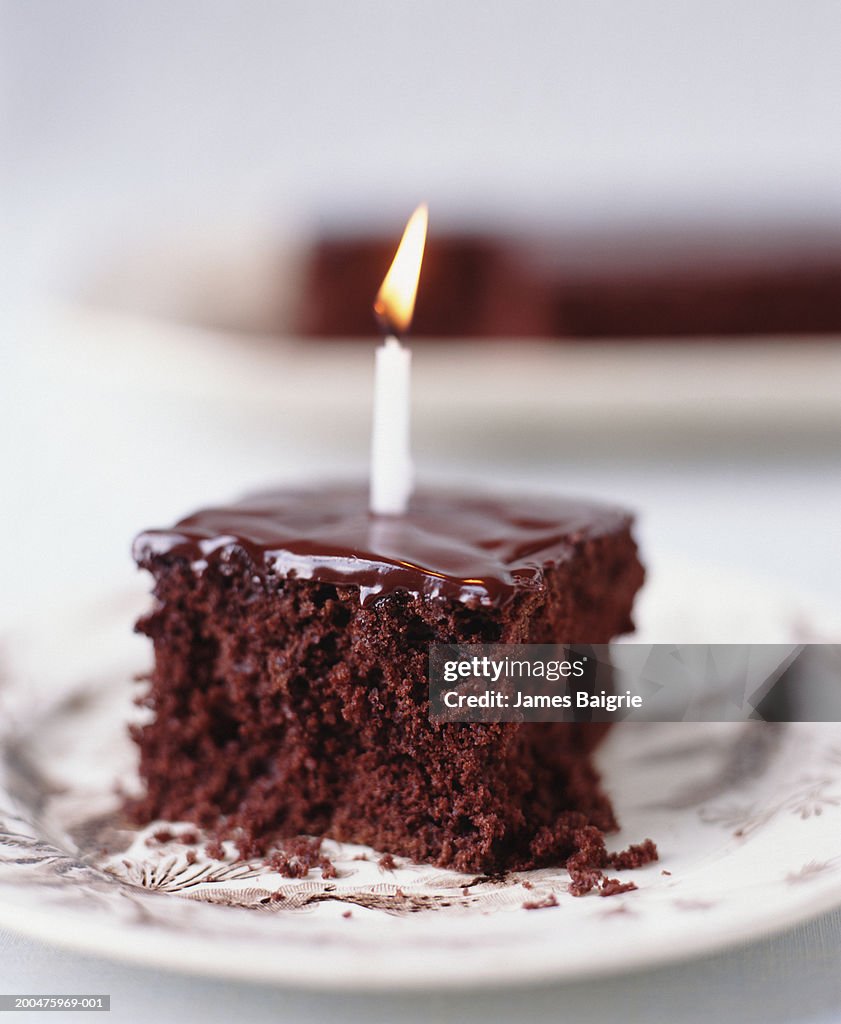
column 465, row 546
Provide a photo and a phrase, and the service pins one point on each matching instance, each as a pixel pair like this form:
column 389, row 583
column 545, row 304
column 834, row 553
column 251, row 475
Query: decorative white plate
column 747, row 818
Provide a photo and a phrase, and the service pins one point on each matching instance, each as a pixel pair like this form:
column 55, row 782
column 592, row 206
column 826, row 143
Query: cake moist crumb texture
column 289, row 693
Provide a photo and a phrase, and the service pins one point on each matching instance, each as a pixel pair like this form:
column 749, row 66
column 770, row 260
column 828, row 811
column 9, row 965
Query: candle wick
column 387, row 329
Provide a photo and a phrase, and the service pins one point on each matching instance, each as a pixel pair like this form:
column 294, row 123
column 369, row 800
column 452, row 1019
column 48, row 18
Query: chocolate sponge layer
column 285, row 705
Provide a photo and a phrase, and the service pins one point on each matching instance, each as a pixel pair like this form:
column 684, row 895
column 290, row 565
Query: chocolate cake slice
column 290, row 686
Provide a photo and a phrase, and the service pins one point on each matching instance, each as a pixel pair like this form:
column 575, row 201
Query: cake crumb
column 215, row 850
column 586, row 867
column 328, row 868
column 192, row 857
column 347, row 914
column 298, row 856
column 165, row 835
column 387, row 863
column 634, row 857
column 613, row 887
column 665, row 872
column 542, row 903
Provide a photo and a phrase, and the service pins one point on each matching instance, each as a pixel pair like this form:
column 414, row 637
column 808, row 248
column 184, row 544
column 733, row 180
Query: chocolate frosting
column 465, row 546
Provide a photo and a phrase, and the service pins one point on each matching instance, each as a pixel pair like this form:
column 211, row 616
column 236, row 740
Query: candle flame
column 395, row 301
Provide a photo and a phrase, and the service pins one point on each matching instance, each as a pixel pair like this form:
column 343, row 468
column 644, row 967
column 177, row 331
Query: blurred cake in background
column 607, row 284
